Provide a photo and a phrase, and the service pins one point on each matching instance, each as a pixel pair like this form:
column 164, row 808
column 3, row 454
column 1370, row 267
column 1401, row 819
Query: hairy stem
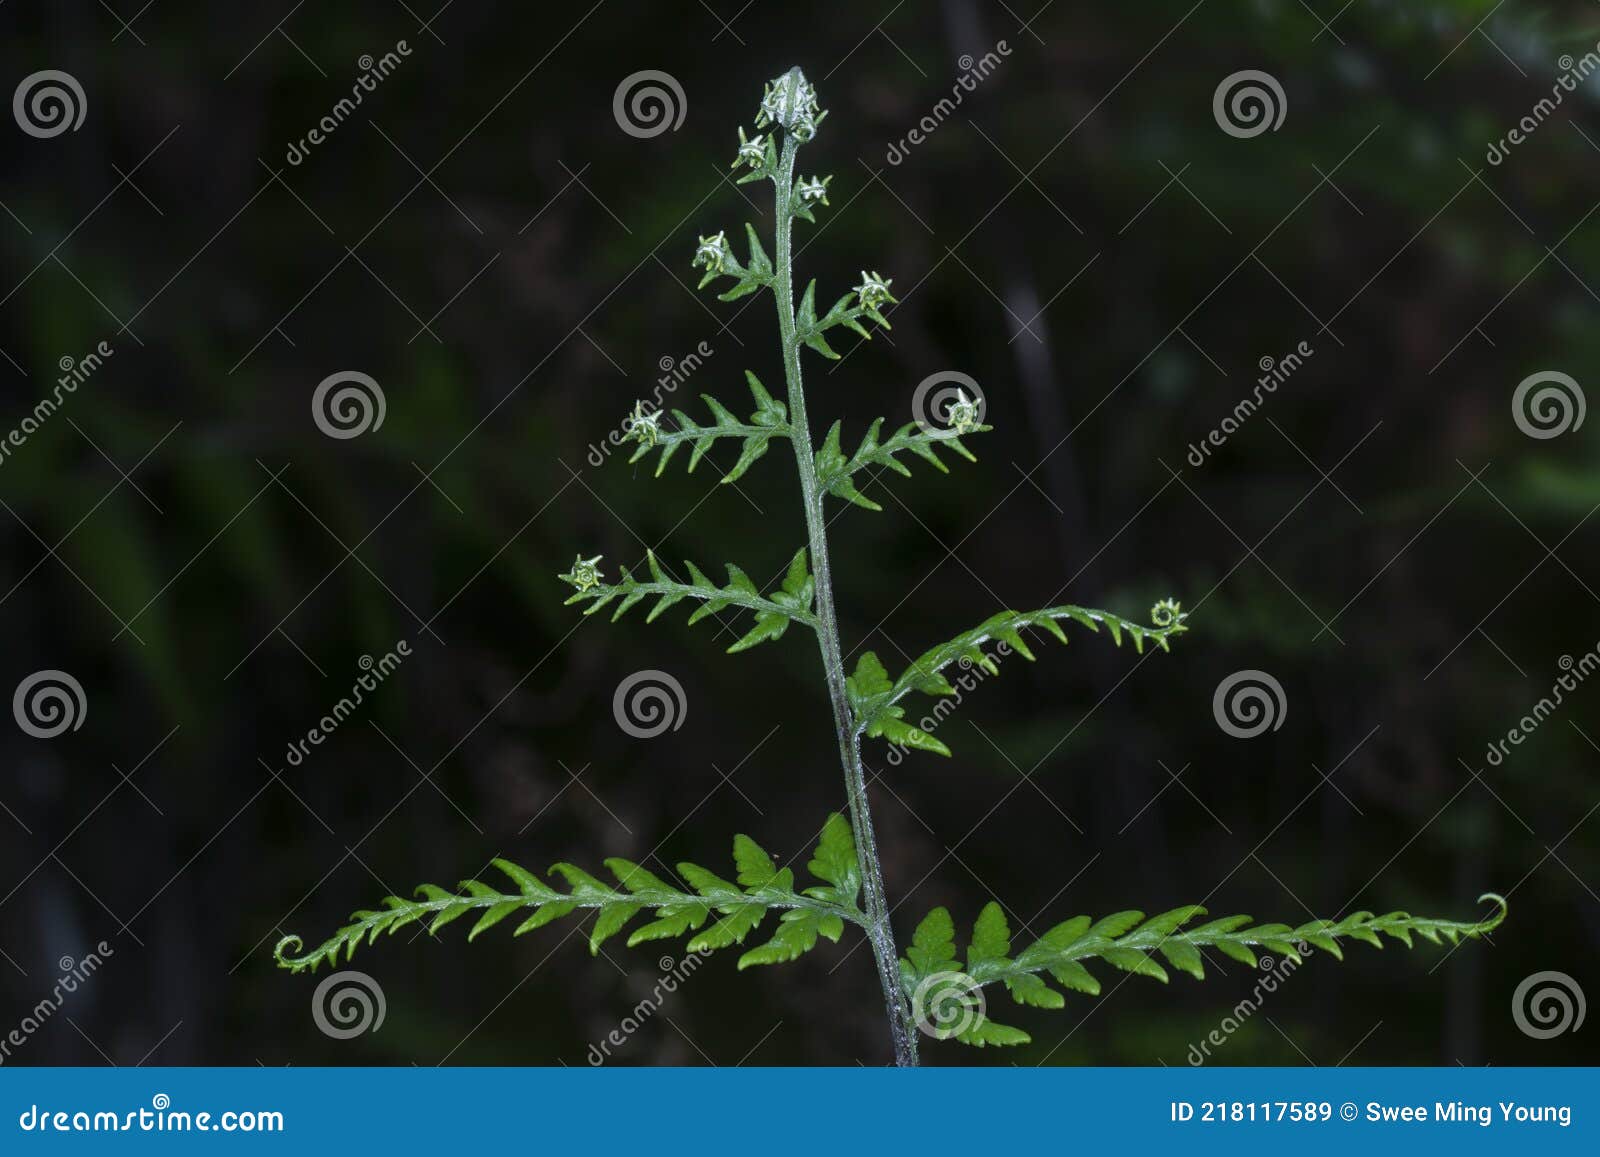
column 879, row 933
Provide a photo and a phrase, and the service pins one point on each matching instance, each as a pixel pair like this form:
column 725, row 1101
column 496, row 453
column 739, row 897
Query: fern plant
column 927, row 991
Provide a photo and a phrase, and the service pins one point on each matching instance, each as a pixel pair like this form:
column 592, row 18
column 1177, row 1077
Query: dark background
column 486, row 190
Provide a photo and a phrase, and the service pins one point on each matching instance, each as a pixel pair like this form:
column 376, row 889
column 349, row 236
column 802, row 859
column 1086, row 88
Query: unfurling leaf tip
column 285, row 947
column 1168, row 615
column 585, row 573
column 1501, row 908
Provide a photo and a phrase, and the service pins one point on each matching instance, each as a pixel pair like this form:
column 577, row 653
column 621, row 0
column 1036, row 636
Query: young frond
column 770, row 420
column 949, row 1002
column 759, row 153
column 791, row 602
column 718, row 260
column 931, row 988
column 732, row 910
column 875, row 697
column 835, row 471
column 847, row 311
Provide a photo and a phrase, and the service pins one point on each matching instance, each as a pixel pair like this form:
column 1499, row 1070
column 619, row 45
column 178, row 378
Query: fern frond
column 952, row 997
column 834, row 470
column 821, row 910
column 770, row 420
column 847, row 311
column 875, row 698
column 719, row 261
column 791, row 602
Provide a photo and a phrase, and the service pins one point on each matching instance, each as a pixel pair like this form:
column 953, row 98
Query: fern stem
column 879, row 932
column 602, row 595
